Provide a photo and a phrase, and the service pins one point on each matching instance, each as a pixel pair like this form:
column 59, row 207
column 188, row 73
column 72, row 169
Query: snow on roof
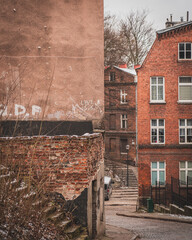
column 174, row 27
column 130, row 71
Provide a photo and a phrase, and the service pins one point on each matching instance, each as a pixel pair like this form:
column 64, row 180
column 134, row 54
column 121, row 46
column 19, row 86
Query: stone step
column 49, row 210
column 63, row 225
column 124, row 196
column 73, row 231
column 56, row 217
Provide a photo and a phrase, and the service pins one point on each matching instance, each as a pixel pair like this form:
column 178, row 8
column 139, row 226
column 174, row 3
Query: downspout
column 136, row 121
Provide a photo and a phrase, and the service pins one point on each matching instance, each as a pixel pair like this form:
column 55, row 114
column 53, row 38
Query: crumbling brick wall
column 69, row 163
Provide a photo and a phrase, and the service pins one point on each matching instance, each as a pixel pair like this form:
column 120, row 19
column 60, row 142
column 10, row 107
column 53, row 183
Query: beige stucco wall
column 51, row 59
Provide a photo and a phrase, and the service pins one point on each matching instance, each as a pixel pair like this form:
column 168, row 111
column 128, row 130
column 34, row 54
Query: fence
column 178, row 192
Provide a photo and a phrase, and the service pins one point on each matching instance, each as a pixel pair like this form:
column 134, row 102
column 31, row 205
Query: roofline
column 174, row 27
column 121, row 69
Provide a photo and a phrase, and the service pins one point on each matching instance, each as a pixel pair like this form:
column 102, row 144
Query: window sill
column 160, row 144
column 123, row 153
column 123, row 103
column 157, row 102
column 185, row 143
column 182, row 102
column 184, row 60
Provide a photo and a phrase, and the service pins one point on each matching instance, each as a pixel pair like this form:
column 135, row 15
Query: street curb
column 163, row 218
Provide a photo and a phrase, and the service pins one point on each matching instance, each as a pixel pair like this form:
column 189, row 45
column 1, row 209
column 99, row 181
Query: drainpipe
column 136, row 147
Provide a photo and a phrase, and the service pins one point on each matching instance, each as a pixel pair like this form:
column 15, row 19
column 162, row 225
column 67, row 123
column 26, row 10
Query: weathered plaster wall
column 51, row 59
column 69, row 163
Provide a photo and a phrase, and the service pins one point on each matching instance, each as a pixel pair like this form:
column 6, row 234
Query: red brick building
column 120, row 113
column 165, row 110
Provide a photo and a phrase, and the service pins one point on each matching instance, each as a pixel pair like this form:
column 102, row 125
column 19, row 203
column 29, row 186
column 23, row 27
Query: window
column 112, row 76
column 123, row 120
column 158, row 131
column 123, row 97
column 123, row 143
column 157, row 89
column 185, row 170
column 185, row 131
column 185, row 89
column 112, row 145
column 185, row 51
column 122, row 78
column 112, row 121
column 112, row 97
column 158, row 173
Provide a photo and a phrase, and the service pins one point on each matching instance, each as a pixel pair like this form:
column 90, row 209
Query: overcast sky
column 159, row 10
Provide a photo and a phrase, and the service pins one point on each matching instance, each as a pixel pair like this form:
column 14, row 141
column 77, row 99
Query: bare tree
column 137, row 35
column 113, row 45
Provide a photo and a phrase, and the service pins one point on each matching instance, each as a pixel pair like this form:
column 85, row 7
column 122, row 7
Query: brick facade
column 70, row 164
column 117, row 136
column 163, row 61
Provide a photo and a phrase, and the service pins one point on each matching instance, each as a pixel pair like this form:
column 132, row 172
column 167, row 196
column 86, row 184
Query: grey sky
column 159, row 10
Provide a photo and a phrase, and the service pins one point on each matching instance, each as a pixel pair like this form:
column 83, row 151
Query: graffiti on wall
column 86, row 109
column 19, row 110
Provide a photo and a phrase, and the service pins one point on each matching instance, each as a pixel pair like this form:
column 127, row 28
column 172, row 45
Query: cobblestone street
column 148, row 228
column 130, row 228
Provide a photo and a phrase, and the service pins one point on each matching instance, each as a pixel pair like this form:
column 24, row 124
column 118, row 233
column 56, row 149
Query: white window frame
column 158, row 170
column 158, row 128
column 185, row 127
column 186, row 169
column 124, row 120
column 123, row 97
column 184, row 84
column 157, row 85
column 185, row 50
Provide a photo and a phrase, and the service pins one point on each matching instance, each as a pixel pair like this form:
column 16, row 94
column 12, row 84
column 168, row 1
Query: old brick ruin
column 70, row 165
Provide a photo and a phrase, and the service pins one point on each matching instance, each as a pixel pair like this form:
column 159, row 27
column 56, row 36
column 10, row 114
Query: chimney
column 187, row 16
column 171, row 18
column 181, row 19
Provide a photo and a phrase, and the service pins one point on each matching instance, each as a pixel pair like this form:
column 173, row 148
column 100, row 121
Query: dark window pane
column 182, row 122
column 189, row 139
column 154, row 139
column 181, row 46
column 188, row 55
column 188, row 46
column 161, row 122
column 181, row 55
column 161, row 139
column 112, row 76
column 182, row 139
column 161, row 132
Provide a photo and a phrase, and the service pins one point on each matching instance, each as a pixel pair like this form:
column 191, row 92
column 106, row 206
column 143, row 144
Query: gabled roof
column 130, row 71
column 177, row 26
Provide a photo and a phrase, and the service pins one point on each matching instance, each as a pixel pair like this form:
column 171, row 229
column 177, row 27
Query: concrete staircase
column 124, row 196
column 120, row 170
column 52, row 207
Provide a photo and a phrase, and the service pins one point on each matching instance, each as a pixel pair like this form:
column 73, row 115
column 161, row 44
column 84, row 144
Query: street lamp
column 127, row 148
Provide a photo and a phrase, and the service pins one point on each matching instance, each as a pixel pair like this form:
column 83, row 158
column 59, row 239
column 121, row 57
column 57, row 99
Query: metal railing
column 178, row 192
